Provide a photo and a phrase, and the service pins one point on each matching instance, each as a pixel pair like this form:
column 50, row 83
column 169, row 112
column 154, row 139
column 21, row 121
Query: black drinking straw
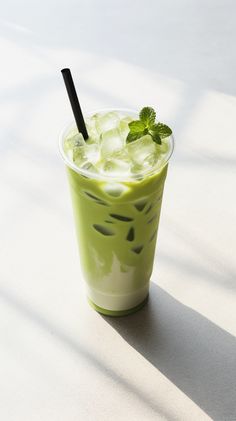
column 75, row 105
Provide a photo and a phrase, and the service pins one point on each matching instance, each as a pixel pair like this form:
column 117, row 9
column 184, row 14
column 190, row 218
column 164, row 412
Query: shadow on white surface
column 192, row 352
column 73, row 345
column 208, row 262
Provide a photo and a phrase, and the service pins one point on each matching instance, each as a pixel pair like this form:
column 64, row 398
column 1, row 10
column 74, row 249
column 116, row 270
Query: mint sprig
column 146, row 125
column 147, row 115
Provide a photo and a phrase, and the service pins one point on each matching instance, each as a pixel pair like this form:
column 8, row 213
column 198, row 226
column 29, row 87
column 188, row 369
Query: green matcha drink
column 117, row 179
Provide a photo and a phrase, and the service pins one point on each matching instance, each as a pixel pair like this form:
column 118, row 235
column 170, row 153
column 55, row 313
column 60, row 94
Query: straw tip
column 66, row 70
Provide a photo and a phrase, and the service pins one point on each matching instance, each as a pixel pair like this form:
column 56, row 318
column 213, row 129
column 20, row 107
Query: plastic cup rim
column 99, row 176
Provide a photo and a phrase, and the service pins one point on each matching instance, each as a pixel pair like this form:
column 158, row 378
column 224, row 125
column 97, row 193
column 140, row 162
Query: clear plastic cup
column 116, row 221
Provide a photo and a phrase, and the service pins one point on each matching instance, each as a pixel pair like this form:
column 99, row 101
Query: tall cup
column 116, row 222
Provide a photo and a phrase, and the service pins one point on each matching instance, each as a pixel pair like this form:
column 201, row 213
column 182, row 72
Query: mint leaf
column 136, row 126
column 147, row 115
column 147, row 125
column 163, row 130
column 154, row 127
column 133, row 136
column 156, row 137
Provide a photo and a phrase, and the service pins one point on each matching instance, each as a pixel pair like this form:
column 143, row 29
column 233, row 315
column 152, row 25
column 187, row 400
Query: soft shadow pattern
column 192, row 352
column 208, row 264
column 72, row 344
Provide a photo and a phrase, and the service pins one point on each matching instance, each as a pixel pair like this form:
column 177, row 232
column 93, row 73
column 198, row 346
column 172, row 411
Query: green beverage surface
column 116, row 206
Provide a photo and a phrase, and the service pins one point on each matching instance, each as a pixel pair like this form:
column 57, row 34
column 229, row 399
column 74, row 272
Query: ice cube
column 111, row 142
column 163, row 148
column 151, row 162
column 105, row 122
column 73, row 141
column 87, row 166
column 142, row 151
column 79, row 156
column 115, row 167
column 137, row 171
column 92, row 152
column 115, row 189
column 92, row 130
column 124, row 127
column 87, row 153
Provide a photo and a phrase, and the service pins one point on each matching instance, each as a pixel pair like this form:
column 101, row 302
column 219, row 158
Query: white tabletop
column 176, row 358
